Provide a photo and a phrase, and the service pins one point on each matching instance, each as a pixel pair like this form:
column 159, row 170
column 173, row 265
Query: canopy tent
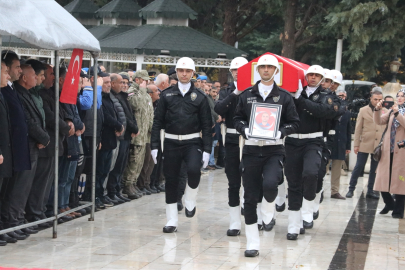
column 45, row 24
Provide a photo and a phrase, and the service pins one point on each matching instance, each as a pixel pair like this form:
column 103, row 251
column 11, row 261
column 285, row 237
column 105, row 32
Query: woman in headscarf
column 390, row 176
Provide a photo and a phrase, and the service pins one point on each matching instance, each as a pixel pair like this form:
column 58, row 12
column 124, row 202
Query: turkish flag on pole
column 71, row 84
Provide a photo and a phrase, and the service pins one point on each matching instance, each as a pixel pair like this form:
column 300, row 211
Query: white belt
column 306, row 136
column 182, row 137
column 263, row 142
column 332, row 132
column 232, row 131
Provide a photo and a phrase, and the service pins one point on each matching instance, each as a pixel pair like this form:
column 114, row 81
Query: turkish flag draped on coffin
column 290, row 72
column 71, row 84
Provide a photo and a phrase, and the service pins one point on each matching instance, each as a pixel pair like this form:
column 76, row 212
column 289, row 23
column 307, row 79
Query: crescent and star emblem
column 77, row 59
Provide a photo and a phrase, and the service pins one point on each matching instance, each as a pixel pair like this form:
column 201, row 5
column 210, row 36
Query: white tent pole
column 338, row 62
column 55, row 199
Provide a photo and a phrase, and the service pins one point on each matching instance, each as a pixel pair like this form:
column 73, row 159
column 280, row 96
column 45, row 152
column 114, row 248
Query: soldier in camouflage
column 141, row 104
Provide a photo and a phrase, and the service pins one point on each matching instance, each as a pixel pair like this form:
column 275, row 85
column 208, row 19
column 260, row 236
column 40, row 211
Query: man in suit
column 19, row 145
column 6, row 164
column 367, row 136
column 38, row 138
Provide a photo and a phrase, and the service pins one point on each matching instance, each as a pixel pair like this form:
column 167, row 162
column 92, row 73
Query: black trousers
column 174, row 154
column 303, row 159
column 1, row 184
column 115, row 176
column 42, row 181
column 182, row 181
column 221, row 154
column 232, row 163
column 74, row 191
column 156, row 175
column 326, row 152
column 15, row 195
column 261, row 176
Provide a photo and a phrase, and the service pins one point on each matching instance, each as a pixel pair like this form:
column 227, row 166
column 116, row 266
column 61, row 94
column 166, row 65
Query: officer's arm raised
column 222, row 106
column 318, row 110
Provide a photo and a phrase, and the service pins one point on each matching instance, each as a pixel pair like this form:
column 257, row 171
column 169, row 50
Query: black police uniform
column 180, row 115
column 303, row 156
column 262, row 166
column 225, row 107
column 329, row 126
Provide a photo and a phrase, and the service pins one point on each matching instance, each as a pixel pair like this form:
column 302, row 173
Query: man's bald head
column 162, row 81
column 28, row 78
column 153, row 91
column 116, row 82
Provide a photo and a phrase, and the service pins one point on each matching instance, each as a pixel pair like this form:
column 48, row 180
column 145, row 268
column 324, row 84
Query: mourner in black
column 304, row 150
column 263, row 160
column 183, row 112
column 226, row 105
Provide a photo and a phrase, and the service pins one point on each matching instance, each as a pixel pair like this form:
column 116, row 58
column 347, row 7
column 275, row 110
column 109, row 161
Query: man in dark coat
column 6, row 162
column 38, row 139
column 19, row 139
column 341, row 147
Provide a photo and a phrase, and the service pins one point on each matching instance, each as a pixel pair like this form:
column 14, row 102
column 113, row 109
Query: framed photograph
column 264, row 121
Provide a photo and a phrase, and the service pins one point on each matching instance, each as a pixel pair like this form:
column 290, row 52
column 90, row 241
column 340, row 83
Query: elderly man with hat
column 142, row 107
column 183, row 112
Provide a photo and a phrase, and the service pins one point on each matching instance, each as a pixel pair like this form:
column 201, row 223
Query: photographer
column 390, row 171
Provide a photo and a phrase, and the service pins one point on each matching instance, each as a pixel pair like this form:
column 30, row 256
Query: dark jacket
column 48, row 98
column 6, row 169
column 132, row 126
column 111, row 123
column 36, row 128
column 214, row 115
column 120, row 111
column 71, row 144
column 19, row 130
column 289, row 119
column 226, row 107
column 343, row 137
column 183, row 115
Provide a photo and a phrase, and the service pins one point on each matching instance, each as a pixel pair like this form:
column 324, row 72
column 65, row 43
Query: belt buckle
column 300, row 136
column 261, row 143
column 180, row 137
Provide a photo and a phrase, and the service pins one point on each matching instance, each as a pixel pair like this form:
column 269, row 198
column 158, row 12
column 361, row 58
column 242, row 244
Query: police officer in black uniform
column 226, row 105
column 183, row 112
column 304, row 151
column 262, row 160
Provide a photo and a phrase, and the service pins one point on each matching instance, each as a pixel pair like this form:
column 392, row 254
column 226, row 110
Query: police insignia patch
column 315, row 97
column 276, row 99
column 193, row 96
column 336, row 108
column 330, row 101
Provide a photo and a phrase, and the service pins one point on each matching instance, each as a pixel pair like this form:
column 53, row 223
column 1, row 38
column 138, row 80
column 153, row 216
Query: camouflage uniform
column 142, row 106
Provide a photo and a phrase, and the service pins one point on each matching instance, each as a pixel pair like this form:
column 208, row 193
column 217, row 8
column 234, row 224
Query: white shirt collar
column 184, row 87
column 265, row 90
column 310, row 90
column 10, row 84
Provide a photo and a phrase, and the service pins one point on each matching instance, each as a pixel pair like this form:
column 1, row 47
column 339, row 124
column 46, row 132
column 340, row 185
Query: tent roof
column 168, row 9
column 178, row 40
column 45, row 24
column 123, row 9
column 104, row 31
column 84, row 9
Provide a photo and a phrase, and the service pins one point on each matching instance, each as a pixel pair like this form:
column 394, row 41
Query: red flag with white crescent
column 71, row 84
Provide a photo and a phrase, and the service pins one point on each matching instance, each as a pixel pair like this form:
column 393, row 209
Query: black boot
column 316, row 215
column 292, row 236
column 308, row 225
column 371, row 195
column 233, row 232
column 191, row 213
column 180, row 205
column 169, row 229
column 386, row 209
column 280, row 208
column 349, row 194
column 251, row 253
column 8, row 239
column 269, row 227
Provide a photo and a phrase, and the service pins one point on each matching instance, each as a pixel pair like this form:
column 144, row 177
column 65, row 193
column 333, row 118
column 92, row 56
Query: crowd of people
column 160, row 134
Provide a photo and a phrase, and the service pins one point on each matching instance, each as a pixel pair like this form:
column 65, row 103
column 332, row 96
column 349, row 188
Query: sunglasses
column 400, row 96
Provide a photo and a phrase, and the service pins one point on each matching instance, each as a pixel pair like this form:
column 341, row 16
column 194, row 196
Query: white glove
column 237, row 92
column 205, row 159
column 247, row 133
column 299, row 91
column 154, row 153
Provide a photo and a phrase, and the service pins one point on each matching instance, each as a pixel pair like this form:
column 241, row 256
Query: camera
column 399, row 144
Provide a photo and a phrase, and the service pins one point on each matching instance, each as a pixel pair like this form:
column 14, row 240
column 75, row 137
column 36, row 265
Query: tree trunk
column 288, row 37
column 230, row 8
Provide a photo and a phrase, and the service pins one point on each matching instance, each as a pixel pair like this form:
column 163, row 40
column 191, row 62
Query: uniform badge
column 336, row 108
column 315, row 97
column 193, row 96
column 276, row 99
column 330, row 101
